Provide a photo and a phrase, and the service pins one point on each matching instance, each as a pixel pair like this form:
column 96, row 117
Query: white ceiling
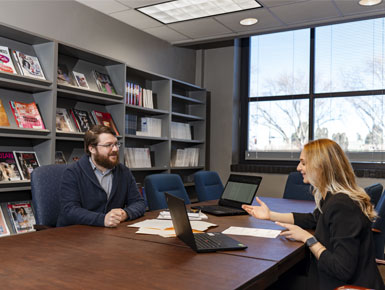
column 275, row 15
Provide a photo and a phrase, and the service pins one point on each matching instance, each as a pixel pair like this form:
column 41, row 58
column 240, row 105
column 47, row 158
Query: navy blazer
column 84, row 201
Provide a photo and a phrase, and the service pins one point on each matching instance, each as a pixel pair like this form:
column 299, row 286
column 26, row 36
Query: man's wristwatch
column 311, row 241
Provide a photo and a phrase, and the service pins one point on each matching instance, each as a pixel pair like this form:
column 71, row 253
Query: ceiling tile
column 104, row 6
column 312, row 11
column 140, row 3
column 136, row 19
column 352, row 8
column 200, row 28
column 166, row 33
column 274, row 3
column 265, row 20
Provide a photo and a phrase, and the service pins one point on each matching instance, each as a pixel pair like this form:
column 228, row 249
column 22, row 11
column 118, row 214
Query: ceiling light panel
column 181, row 10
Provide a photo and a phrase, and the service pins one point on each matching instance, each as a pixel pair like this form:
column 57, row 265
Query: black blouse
column 345, row 232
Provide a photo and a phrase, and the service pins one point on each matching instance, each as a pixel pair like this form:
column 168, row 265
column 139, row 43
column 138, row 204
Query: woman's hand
column 260, row 212
column 294, row 232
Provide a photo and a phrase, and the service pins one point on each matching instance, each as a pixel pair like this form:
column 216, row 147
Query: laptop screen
column 241, row 188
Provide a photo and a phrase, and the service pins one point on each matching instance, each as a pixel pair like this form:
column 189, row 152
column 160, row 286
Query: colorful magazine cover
column 3, row 115
column 82, row 120
column 6, row 64
column 104, row 118
column 80, row 80
column 63, row 77
column 8, row 167
column 27, row 115
column 29, row 65
column 22, row 216
column 26, row 162
column 63, row 121
column 104, row 82
column 59, row 158
column 4, row 231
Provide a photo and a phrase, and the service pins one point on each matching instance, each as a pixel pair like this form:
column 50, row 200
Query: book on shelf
column 26, row 162
column 150, row 127
column 137, row 157
column 82, row 120
column 131, row 124
column 21, row 215
column 28, row 65
column 104, row 118
column 63, row 121
column 6, row 63
column 4, row 230
column 103, row 82
column 138, row 96
column 3, row 116
column 181, row 131
column 27, row 115
column 60, row 158
column 80, row 79
column 8, row 167
column 63, row 75
column 187, row 157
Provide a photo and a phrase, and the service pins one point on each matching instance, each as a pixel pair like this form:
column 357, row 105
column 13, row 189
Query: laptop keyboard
column 204, row 241
column 223, row 208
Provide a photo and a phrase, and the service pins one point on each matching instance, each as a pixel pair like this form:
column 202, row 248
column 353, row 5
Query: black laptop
column 199, row 242
column 239, row 189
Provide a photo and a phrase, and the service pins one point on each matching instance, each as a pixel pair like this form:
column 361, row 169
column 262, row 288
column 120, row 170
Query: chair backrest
column 156, row 185
column 208, row 185
column 378, row 228
column 296, row 189
column 374, row 191
column 45, row 187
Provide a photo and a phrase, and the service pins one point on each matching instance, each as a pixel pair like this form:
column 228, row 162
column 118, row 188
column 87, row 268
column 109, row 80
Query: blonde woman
column 342, row 245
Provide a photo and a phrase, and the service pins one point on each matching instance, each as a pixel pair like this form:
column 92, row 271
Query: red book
column 27, row 115
column 104, row 118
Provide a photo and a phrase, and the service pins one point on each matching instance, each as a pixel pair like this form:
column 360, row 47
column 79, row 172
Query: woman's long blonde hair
column 331, row 171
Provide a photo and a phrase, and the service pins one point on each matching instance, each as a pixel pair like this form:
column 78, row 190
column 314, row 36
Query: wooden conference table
column 84, row 257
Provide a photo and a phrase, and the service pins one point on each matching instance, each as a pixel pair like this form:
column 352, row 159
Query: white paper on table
column 165, row 215
column 153, row 223
column 262, row 233
column 163, row 233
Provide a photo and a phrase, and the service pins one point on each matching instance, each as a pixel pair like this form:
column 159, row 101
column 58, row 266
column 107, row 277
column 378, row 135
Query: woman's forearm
column 287, row 218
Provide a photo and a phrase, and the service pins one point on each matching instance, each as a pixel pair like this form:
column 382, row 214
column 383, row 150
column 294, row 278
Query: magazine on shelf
column 4, row 230
column 80, row 79
column 59, row 158
column 6, row 63
column 26, row 162
column 27, row 115
column 8, row 167
column 82, row 120
column 63, row 121
column 29, row 65
column 63, row 76
column 104, row 82
column 3, row 115
column 104, row 118
column 21, row 215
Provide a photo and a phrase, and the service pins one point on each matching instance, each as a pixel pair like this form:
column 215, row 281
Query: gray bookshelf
column 174, row 101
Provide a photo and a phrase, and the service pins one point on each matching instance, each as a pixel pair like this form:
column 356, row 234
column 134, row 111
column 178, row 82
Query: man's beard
column 105, row 162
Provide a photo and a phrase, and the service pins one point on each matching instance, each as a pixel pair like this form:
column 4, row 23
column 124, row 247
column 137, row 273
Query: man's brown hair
column 92, row 136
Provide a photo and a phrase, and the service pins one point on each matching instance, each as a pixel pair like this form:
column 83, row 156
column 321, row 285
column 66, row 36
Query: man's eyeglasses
column 110, row 146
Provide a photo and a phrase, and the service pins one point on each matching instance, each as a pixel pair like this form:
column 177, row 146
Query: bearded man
column 98, row 190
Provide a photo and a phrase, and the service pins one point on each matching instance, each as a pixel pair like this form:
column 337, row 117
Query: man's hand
column 114, row 217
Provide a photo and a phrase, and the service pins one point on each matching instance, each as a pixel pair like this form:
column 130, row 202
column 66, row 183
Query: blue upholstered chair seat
column 208, row 185
column 296, row 189
column 374, row 191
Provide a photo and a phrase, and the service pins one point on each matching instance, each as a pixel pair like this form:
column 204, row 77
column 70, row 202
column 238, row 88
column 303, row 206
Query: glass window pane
column 356, row 123
column 350, row 56
column 278, row 125
column 279, row 63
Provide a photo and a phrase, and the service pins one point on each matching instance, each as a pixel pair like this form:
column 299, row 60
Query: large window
column 324, row 82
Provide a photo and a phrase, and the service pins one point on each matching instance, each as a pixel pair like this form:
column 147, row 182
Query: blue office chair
column 296, row 189
column 374, row 191
column 208, row 185
column 45, row 187
column 156, row 185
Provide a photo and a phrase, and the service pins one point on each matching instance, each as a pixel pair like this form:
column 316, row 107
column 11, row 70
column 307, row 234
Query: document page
column 262, row 233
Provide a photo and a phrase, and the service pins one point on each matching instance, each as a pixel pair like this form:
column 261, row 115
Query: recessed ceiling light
column 182, row 10
column 369, row 2
column 248, row 21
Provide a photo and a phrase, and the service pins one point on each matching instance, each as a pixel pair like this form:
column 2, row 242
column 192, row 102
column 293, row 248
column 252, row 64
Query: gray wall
column 217, row 68
column 78, row 25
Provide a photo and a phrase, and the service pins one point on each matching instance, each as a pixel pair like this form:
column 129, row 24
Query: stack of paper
column 262, row 233
column 165, row 215
column 165, row 228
